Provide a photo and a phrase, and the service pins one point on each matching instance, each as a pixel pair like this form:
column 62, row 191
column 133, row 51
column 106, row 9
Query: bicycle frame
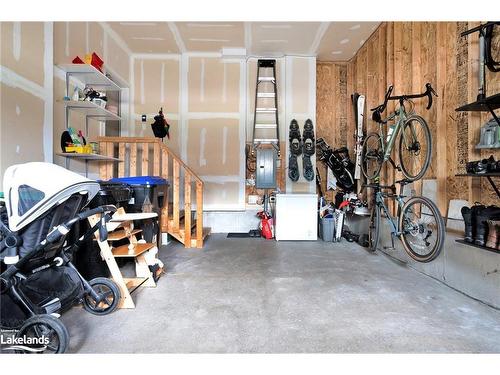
column 380, row 203
column 388, row 142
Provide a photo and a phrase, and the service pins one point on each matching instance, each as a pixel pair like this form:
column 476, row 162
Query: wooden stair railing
column 158, row 160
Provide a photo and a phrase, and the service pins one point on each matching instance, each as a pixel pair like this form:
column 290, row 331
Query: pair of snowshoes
column 301, row 145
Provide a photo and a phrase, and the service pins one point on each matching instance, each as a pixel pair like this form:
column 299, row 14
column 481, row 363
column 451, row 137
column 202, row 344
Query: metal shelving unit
column 87, row 75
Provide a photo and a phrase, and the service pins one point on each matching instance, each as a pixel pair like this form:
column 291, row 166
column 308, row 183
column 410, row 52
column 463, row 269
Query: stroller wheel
column 109, row 295
column 51, row 332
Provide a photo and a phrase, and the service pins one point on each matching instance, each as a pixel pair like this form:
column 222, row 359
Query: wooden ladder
column 151, row 157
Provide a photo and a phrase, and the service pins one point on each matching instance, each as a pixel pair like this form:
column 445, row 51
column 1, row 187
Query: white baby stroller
column 43, row 202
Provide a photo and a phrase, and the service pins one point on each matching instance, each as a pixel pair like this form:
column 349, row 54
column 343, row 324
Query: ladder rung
column 265, row 110
column 265, row 126
column 267, row 79
column 265, row 140
column 266, row 95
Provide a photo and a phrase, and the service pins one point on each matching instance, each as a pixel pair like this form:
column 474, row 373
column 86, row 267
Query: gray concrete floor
column 253, row 295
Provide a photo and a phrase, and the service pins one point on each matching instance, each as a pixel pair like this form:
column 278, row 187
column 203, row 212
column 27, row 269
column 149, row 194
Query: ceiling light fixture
column 344, row 41
column 355, row 27
column 336, row 52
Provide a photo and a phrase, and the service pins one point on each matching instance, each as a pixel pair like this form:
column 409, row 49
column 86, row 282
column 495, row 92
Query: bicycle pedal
column 389, row 248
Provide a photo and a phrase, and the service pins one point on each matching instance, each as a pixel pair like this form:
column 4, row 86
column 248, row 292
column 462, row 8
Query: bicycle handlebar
column 479, row 28
column 429, row 91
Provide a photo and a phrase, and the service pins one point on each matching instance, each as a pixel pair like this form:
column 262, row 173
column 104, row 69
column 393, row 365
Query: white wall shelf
column 90, row 109
column 97, row 157
column 89, row 76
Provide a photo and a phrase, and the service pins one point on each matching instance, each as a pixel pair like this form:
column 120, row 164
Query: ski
column 359, row 108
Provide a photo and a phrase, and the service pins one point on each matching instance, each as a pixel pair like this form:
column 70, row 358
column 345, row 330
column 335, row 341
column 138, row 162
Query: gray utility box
column 265, row 177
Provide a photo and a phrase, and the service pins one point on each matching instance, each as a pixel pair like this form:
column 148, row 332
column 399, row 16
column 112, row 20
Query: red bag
column 266, row 225
column 267, row 232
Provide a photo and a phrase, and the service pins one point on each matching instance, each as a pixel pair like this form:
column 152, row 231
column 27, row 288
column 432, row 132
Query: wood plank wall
column 408, row 55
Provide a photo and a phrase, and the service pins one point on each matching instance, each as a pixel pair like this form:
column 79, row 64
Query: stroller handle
column 53, row 236
column 63, row 229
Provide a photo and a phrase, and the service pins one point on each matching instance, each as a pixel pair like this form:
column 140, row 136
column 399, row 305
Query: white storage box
column 296, row 217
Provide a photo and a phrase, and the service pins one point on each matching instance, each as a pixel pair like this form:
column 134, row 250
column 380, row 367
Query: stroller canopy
column 32, row 189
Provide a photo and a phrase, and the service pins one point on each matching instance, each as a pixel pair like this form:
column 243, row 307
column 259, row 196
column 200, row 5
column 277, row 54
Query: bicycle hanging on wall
column 415, row 146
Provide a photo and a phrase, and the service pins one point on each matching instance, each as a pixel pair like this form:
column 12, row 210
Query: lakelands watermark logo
column 24, row 343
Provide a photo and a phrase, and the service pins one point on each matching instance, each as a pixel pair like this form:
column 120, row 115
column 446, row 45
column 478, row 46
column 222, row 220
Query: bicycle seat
column 376, row 115
column 404, row 181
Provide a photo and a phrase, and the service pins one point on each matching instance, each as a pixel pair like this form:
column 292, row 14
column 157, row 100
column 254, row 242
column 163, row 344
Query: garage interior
column 240, row 243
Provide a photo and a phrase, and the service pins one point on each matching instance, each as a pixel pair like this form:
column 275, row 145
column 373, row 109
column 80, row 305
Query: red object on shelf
column 96, row 61
column 78, row 60
column 93, row 60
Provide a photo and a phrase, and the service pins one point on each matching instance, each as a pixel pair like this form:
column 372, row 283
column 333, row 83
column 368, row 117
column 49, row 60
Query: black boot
column 475, row 212
column 481, row 230
column 467, row 215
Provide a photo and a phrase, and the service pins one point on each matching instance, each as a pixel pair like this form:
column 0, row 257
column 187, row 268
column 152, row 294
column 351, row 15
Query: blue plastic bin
column 153, row 187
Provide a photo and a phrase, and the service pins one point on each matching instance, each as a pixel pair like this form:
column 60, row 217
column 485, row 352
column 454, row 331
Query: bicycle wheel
column 374, row 229
column 422, row 229
column 372, row 156
column 415, row 148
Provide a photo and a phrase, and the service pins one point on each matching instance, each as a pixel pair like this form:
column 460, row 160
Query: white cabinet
column 296, row 217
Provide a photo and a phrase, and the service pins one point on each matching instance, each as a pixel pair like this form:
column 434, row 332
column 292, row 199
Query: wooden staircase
column 150, row 157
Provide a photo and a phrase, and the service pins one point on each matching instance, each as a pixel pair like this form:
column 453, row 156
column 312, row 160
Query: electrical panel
column 265, row 173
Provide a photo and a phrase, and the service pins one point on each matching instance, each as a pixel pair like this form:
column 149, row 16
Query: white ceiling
column 330, row 41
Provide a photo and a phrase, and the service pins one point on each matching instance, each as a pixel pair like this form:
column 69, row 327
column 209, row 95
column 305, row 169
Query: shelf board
column 76, row 155
column 494, row 174
column 478, row 246
column 135, row 250
column 89, row 76
column 487, row 147
column 482, row 105
column 90, row 109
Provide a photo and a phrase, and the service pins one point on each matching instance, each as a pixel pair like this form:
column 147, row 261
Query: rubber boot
column 467, row 215
column 475, row 213
column 481, row 230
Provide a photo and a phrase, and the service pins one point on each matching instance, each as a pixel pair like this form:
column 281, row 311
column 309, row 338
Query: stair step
column 206, row 232
column 265, row 126
column 265, row 140
column 121, row 234
column 181, row 227
column 266, row 79
column 266, row 95
column 135, row 251
column 265, row 110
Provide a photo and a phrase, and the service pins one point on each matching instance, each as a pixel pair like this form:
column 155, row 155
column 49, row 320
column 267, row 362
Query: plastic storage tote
column 117, row 194
column 151, row 187
column 327, row 226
